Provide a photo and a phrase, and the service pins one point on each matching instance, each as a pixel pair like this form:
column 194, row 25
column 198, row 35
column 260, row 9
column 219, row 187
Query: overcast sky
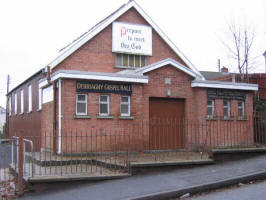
column 33, row 31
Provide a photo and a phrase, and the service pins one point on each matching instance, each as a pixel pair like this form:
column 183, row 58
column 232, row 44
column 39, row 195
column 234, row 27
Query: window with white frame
column 16, row 104
column 104, row 105
column 241, row 109
column 125, row 106
column 29, row 98
column 210, row 108
column 81, row 105
column 21, row 101
column 129, row 60
column 226, row 108
column 40, row 99
column 9, row 105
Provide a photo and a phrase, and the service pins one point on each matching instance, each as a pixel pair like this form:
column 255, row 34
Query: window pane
column 225, row 103
column 143, row 58
column 131, row 60
column 81, row 97
column 103, row 108
column 119, row 59
column 124, row 99
column 209, row 111
column 124, row 108
column 225, row 111
column 103, row 98
column 137, row 61
column 125, row 59
column 209, row 103
column 81, row 107
column 240, row 112
column 239, row 103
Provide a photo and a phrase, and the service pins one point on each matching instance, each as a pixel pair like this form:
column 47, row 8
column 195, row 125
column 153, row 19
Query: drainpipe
column 233, row 78
column 54, row 116
column 48, row 78
column 59, row 117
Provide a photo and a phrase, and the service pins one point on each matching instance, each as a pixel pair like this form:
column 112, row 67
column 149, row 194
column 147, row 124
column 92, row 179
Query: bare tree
column 239, row 47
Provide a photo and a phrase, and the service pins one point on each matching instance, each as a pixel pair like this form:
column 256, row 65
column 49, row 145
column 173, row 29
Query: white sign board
column 48, row 94
column 132, row 39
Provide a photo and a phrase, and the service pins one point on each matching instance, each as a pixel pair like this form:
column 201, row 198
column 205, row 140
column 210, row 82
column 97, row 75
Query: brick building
column 253, row 78
column 2, row 119
column 124, row 70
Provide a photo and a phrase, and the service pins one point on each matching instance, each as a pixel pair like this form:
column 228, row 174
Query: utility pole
column 7, row 106
column 219, row 65
column 7, row 85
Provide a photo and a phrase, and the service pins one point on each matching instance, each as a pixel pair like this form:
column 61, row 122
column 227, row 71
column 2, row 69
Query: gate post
column 20, row 167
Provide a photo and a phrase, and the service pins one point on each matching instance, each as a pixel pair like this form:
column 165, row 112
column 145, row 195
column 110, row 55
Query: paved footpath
column 157, row 183
column 245, row 192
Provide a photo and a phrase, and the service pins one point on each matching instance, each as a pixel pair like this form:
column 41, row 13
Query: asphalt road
column 5, row 155
column 256, row 191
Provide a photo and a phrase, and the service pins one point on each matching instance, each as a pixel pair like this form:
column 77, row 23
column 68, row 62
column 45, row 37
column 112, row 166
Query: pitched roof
column 25, row 81
column 76, row 44
column 214, row 75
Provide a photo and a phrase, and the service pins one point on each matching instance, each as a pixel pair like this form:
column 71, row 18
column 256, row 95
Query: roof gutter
column 224, row 85
column 99, row 76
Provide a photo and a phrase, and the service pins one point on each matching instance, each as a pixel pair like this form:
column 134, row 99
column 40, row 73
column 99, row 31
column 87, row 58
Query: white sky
column 32, row 31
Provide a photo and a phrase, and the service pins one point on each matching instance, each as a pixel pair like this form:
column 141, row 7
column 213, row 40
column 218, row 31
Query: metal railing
column 28, row 163
column 106, row 151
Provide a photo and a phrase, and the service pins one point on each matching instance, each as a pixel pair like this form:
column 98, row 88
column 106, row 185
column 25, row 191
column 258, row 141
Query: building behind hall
column 123, row 71
column 2, row 119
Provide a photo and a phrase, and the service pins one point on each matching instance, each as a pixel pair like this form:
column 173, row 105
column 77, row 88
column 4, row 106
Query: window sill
column 212, row 118
column 29, row 112
column 104, row 117
column 242, row 119
column 126, row 117
column 39, row 110
column 227, row 119
column 82, row 117
column 21, row 113
column 125, row 67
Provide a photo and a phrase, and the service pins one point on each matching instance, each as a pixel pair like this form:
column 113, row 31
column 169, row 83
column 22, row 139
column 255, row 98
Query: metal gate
column 13, row 165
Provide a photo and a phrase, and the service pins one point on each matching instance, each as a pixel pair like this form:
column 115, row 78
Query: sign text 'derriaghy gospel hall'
column 104, row 87
column 132, row 39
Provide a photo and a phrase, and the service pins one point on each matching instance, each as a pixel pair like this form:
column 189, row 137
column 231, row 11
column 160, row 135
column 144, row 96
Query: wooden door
column 166, row 123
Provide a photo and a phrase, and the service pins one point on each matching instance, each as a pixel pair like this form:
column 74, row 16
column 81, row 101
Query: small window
column 16, row 104
column 210, row 108
column 29, row 98
column 125, row 106
column 40, row 99
column 21, row 101
column 81, row 107
column 130, row 60
column 241, row 109
column 226, row 105
column 104, row 105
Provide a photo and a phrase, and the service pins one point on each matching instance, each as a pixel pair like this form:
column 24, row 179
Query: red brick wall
column 96, row 55
column 219, row 132
column 47, row 122
column 29, row 123
column 195, row 112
